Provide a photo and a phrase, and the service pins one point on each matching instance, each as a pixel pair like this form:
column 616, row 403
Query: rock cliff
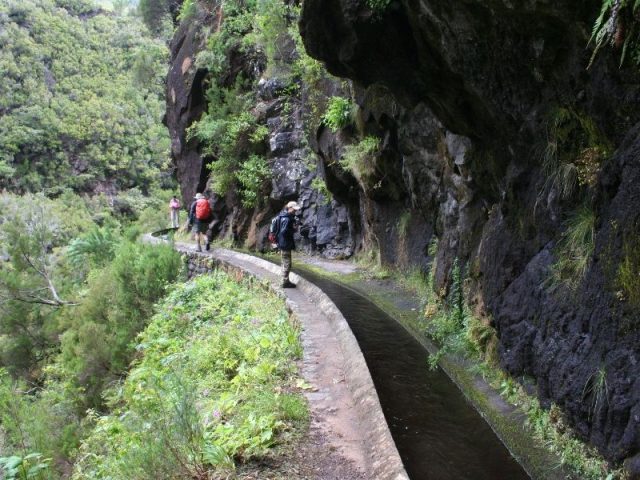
column 495, row 139
column 485, row 89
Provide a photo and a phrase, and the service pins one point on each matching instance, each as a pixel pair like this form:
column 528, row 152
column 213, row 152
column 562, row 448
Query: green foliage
column 359, row 159
column 403, row 224
column 338, row 114
column 72, row 113
column 252, row 176
column 448, row 321
column 156, row 15
column 575, row 248
column 95, row 248
column 36, row 421
column 187, row 9
column 628, row 278
column 549, row 427
column 206, row 391
column 319, row 185
column 378, row 6
column 33, row 231
column 597, row 390
column 96, row 345
column 617, row 25
column 31, row 466
column 573, row 154
column 271, row 30
column 228, row 131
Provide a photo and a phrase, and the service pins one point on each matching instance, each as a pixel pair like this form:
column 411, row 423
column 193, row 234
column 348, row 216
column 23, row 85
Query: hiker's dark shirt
column 285, row 232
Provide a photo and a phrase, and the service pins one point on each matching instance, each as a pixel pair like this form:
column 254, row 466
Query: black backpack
column 274, row 228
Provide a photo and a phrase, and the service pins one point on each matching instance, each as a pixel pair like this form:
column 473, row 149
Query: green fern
column 610, row 28
column 96, row 247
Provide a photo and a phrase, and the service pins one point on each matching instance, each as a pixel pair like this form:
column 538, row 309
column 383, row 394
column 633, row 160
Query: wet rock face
column 461, row 94
column 185, row 104
column 325, row 224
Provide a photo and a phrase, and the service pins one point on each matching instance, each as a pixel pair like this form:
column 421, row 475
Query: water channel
column 439, row 435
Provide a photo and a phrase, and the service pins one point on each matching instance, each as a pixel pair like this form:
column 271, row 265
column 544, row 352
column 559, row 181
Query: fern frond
column 597, row 26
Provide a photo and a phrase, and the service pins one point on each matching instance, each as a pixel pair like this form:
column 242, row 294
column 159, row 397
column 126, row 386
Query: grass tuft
column 575, row 248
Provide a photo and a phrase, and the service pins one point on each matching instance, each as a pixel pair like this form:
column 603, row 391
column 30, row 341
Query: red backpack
column 203, row 209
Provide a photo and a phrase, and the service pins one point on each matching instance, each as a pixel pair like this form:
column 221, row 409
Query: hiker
column 286, row 227
column 174, row 211
column 199, row 217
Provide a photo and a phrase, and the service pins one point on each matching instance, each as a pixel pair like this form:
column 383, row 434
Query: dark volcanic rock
column 464, row 94
column 463, row 97
column 185, row 104
column 326, row 226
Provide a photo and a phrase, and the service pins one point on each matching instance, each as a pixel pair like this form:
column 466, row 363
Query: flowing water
column 439, row 435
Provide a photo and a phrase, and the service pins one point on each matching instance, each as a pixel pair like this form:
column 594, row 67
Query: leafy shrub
column 338, row 114
column 206, row 390
column 187, row 10
column 31, row 466
column 252, row 176
column 231, row 134
column 359, row 159
column 116, row 304
column 270, row 25
column 32, row 234
column 95, row 248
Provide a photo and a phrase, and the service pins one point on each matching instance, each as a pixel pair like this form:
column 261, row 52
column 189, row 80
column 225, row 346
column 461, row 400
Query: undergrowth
column 338, row 114
column 359, row 159
column 573, row 153
column 214, row 385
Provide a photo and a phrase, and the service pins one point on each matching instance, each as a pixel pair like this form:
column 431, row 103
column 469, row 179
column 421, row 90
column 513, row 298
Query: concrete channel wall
column 382, row 458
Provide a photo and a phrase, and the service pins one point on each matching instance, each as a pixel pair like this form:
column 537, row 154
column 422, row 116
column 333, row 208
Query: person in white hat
column 199, row 217
column 286, row 227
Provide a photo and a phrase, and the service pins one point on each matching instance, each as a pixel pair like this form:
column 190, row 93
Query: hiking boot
column 198, row 248
column 207, row 246
column 288, row 284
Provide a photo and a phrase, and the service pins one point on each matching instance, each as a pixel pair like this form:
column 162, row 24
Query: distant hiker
column 174, row 211
column 284, row 238
column 199, row 217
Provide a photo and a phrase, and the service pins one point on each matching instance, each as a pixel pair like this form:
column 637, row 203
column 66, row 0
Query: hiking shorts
column 200, row 226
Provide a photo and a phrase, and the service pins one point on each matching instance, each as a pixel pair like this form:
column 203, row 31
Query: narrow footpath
column 348, row 438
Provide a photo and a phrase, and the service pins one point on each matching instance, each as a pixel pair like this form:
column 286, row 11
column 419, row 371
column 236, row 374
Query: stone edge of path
column 379, row 447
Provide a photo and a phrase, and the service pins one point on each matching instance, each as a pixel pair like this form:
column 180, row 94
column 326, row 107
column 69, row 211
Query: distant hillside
column 81, row 100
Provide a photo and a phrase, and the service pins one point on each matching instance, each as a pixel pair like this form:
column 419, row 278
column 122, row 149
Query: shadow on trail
column 164, row 231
